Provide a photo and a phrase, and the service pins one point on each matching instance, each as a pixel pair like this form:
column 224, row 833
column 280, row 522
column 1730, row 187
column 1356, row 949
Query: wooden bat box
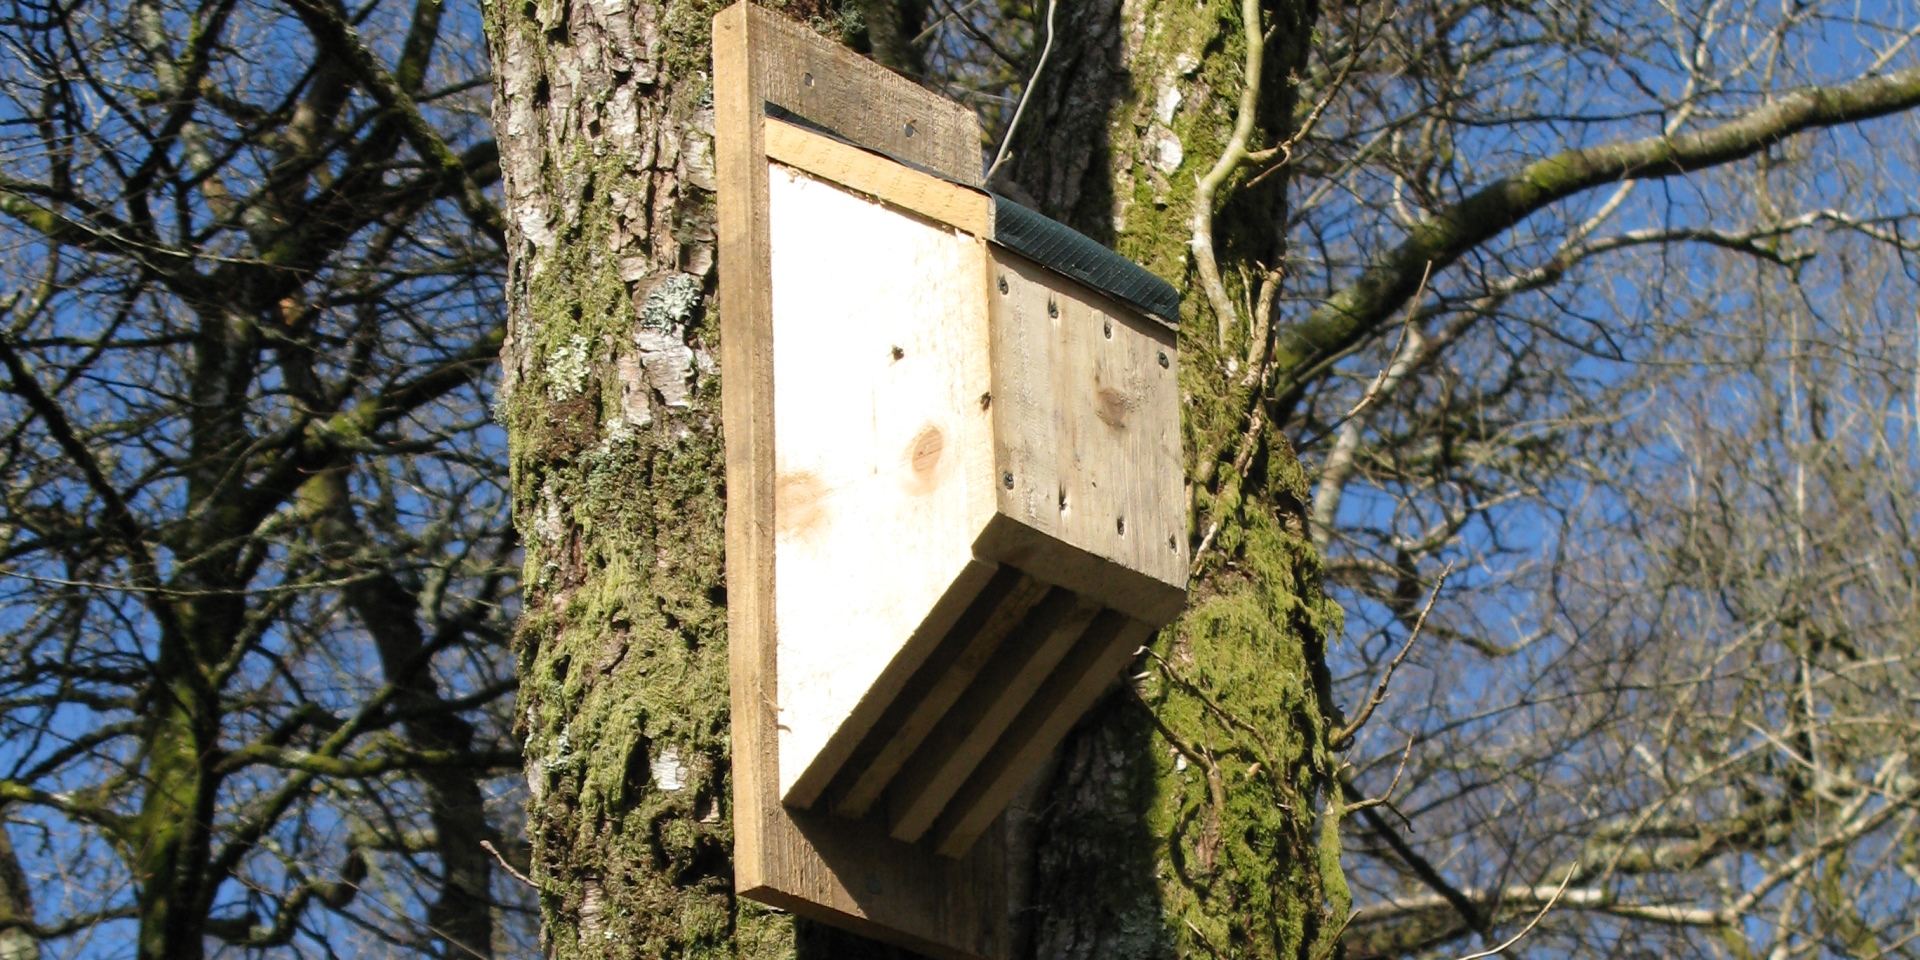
column 955, row 493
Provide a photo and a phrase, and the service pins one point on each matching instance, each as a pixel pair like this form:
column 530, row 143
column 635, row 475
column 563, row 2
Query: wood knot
column 923, row 458
column 1112, row 407
column 797, row 503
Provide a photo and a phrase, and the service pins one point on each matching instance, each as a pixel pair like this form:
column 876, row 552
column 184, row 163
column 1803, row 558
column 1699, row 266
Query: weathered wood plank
column 830, row 85
column 1087, row 421
column 746, row 405
column 967, row 209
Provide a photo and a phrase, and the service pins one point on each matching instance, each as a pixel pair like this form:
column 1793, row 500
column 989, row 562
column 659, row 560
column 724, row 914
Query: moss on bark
column 1188, row 825
column 1217, row 759
column 613, row 417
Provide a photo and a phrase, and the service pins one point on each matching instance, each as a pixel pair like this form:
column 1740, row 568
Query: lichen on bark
column 605, row 117
column 1183, row 816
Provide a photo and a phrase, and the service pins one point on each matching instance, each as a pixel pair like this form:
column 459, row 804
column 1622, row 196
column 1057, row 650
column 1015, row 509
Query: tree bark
column 612, row 406
column 16, row 905
column 1185, row 815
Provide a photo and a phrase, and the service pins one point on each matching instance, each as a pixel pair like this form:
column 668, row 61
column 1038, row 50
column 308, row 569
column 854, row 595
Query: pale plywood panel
column 883, row 453
column 864, row 172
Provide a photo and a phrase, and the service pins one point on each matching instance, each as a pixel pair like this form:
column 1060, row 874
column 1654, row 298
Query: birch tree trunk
column 1185, row 814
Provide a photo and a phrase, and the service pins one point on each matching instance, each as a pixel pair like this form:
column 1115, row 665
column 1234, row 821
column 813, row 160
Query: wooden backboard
column 842, row 871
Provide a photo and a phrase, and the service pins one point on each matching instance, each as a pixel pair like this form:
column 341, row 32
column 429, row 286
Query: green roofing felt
column 1065, row 250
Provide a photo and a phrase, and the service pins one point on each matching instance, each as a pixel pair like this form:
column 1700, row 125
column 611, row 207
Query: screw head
column 1003, row 283
column 807, row 79
column 1164, row 362
column 1053, row 308
column 909, row 131
column 1006, row 479
column 1107, row 328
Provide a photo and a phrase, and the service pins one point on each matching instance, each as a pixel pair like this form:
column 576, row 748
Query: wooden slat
column 1003, row 688
column 1086, row 673
column 920, row 680
column 966, row 209
column 807, row 789
column 945, row 674
column 833, row 87
column 746, row 405
column 1016, row 544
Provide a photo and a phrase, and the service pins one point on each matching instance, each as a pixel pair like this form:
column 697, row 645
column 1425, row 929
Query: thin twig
column 487, row 845
column 1482, row 955
column 1014, row 124
column 940, row 22
column 1386, row 799
column 1284, row 150
column 1206, row 540
column 1379, row 383
column 1380, row 692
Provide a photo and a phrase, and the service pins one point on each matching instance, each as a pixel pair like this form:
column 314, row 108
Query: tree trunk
column 1185, row 814
column 17, row 941
column 612, row 405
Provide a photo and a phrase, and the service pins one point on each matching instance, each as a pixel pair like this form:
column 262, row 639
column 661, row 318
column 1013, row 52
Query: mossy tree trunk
column 1207, row 777
column 604, row 115
column 1185, row 815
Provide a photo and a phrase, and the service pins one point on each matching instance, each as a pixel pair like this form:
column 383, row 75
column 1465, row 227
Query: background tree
column 256, row 565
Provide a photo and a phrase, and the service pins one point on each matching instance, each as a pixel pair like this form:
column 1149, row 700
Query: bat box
column 955, row 493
